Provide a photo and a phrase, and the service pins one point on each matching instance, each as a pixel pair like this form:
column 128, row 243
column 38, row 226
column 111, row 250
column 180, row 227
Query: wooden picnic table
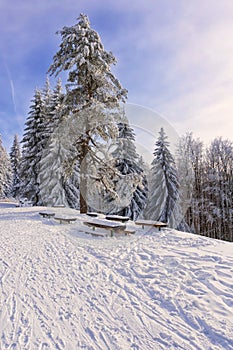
column 47, row 214
column 65, row 219
column 117, row 218
column 144, row 223
column 108, row 225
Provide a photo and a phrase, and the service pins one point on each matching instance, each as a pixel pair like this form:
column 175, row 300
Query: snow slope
column 62, row 289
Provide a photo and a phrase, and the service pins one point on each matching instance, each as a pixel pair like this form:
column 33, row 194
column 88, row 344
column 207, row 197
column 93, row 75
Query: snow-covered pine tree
column 55, row 187
column 93, row 93
column 5, row 172
column 50, row 169
column 32, row 141
column 15, row 157
column 132, row 184
column 184, row 163
column 164, row 200
column 53, row 108
column 52, row 104
column 52, row 177
column 47, row 111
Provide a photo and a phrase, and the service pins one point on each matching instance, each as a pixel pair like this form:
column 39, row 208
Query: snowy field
column 63, row 289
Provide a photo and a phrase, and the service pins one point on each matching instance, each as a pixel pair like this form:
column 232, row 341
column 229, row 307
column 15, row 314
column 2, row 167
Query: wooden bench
column 90, row 231
column 92, row 214
column 117, row 218
column 98, row 234
column 152, row 223
column 112, row 226
column 47, row 214
column 65, row 219
column 126, row 232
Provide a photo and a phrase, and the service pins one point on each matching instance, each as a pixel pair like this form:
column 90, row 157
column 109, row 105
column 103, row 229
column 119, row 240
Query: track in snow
column 60, row 289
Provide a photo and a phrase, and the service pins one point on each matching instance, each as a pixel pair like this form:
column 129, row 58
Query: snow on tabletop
column 62, row 289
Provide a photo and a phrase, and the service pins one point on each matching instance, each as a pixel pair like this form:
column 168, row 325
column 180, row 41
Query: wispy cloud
column 11, row 86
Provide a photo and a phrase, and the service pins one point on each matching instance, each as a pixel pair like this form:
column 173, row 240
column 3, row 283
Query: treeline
column 192, row 191
column 206, row 179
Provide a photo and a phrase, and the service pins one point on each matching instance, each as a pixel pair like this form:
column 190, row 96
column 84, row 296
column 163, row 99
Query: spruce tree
column 164, row 201
column 93, row 93
column 50, row 166
column 132, row 184
column 51, row 177
column 55, row 187
column 15, row 157
column 33, row 141
column 47, row 109
column 5, row 172
column 53, row 107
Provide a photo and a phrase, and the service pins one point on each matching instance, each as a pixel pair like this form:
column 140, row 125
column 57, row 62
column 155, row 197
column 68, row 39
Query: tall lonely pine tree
column 164, row 200
column 93, row 93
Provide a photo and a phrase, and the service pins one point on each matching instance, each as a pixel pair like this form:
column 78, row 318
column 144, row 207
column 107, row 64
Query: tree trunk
column 83, row 179
column 83, row 204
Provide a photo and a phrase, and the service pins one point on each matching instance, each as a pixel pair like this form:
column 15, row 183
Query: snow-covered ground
column 63, row 289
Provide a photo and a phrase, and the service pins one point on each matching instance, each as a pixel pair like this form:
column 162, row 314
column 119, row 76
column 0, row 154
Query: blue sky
column 175, row 57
